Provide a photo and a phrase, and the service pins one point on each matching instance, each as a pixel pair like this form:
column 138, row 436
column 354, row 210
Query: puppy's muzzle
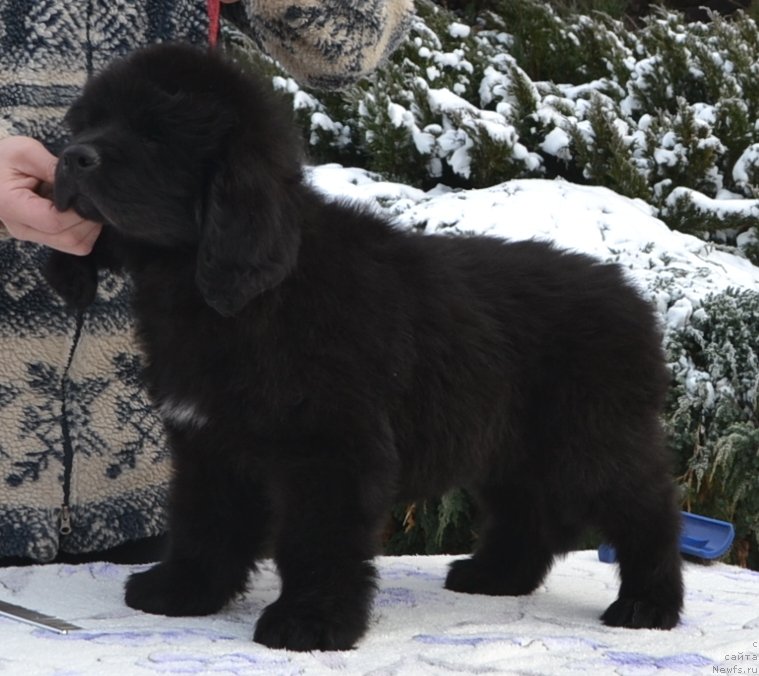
column 77, row 163
column 80, row 158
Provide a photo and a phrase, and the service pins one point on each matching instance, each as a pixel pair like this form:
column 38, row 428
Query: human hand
column 26, row 168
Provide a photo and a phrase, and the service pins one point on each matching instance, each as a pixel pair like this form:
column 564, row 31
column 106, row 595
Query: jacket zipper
column 64, row 517
column 64, row 520
column 88, row 39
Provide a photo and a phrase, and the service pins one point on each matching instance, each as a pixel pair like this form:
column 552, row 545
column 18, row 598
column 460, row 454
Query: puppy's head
column 174, row 147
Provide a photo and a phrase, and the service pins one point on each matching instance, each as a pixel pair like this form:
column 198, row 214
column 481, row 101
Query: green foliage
column 689, row 211
column 751, row 248
column 604, row 152
column 713, row 414
column 444, row 525
column 680, row 151
column 667, row 66
column 542, row 45
column 615, row 8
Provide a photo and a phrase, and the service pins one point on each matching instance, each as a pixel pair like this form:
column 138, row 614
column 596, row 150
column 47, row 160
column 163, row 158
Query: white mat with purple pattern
column 417, row 627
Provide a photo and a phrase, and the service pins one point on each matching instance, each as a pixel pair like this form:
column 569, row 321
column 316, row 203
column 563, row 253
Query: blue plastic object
column 607, row 554
column 701, row 536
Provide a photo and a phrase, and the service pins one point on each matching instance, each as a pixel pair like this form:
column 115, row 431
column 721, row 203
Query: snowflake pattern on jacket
column 77, row 428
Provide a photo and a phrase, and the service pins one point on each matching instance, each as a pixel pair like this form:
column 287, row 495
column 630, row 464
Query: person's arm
column 25, row 167
column 324, row 43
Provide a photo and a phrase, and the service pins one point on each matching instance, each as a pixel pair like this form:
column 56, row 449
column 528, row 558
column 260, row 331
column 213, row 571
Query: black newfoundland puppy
column 316, row 365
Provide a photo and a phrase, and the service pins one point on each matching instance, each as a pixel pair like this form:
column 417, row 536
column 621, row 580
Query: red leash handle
column 214, row 14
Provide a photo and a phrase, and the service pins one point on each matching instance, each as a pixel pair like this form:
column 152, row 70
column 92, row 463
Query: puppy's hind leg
column 516, row 547
column 218, row 522
column 643, row 523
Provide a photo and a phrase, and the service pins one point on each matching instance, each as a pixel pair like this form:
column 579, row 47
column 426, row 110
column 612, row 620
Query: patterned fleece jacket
column 83, row 460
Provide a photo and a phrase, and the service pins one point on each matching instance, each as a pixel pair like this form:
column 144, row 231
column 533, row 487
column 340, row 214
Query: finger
column 40, row 214
column 78, row 240
column 90, row 238
column 33, row 159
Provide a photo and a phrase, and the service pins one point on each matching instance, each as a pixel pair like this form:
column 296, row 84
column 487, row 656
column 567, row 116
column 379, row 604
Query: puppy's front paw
column 641, row 614
column 299, row 627
column 168, row 589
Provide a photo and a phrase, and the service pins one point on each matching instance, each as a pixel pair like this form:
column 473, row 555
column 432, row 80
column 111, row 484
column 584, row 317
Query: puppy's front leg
column 334, row 510
column 218, row 522
column 73, row 278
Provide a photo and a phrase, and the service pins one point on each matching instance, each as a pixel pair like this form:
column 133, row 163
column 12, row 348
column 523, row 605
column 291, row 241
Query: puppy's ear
column 249, row 234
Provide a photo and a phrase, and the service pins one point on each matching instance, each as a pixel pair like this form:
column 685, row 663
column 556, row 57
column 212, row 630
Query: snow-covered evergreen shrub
column 527, row 90
column 682, row 151
column 713, row 414
column 562, row 49
column 601, row 143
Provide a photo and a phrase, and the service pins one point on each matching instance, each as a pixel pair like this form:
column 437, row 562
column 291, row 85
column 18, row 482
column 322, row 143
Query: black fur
column 337, row 365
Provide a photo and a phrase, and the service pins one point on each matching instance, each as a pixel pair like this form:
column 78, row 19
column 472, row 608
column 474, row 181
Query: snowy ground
column 417, row 627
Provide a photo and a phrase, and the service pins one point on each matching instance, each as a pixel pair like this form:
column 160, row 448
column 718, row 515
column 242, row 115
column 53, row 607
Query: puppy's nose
column 81, row 157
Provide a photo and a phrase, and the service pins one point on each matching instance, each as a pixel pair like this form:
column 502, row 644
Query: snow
column 721, row 206
column 459, row 30
column 675, row 270
column 747, row 161
column 417, row 627
column 556, row 142
column 444, row 100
